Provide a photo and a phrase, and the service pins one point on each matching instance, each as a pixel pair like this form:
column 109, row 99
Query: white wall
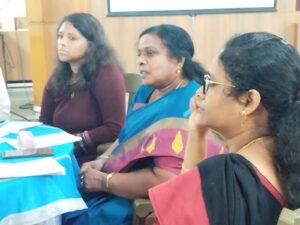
column 9, row 9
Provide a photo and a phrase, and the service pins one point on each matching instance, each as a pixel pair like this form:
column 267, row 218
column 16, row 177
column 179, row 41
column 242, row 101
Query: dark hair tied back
column 180, row 46
column 268, row 64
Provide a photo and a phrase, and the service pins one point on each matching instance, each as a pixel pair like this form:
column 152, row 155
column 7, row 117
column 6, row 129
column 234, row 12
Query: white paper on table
column 16, row 126
column 3, row 134
column 2, row 140
column 48, row 140
column 43, row 166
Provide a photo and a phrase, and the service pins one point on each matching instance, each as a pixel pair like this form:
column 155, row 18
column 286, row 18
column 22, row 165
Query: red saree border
column 136, row 147
column 267, row 184
column 134, row 141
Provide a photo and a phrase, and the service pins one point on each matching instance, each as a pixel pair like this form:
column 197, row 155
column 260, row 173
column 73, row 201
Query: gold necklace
column 180, row 83
column 251, row 143
column 155, row 94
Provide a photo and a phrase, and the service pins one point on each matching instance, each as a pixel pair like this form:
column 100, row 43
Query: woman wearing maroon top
column 85, row 94
column 252, row 98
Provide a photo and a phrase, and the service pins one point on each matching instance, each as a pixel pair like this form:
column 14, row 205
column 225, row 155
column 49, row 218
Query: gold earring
column 243, row 113
column 179, row 68
column 244, row 117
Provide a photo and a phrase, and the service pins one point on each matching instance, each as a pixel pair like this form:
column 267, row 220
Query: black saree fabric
column 234, row 194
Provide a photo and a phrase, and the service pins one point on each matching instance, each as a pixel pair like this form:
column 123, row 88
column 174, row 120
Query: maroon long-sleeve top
column 99, row 110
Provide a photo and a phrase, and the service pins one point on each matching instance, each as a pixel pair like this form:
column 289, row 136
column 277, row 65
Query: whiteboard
column 165, row 7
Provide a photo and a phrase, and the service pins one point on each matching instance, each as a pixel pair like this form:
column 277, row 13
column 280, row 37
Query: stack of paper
column 16, row 126
column 48, row 140
column 43, row 166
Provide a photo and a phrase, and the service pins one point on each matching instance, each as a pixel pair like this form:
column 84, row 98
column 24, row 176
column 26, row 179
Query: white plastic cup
column 25, row 140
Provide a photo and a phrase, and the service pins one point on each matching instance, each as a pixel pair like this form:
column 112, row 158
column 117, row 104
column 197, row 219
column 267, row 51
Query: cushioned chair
column 132, row 82
column 289, row 217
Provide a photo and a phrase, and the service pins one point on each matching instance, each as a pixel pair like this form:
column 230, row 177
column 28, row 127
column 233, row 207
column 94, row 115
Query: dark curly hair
column 179, row 45
column 269, row 64
column 99, row 55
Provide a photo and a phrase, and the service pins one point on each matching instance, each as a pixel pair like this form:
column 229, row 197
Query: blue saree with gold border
column 153, row 130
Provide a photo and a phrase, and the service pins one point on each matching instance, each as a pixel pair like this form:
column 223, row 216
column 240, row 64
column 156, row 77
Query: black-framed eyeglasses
column 208, row 81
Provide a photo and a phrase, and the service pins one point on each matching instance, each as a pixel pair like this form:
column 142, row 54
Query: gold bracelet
column 108, row 178
column 183, row 168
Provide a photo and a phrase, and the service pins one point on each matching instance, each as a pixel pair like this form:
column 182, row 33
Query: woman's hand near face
column 196, row 144
column 195, row 117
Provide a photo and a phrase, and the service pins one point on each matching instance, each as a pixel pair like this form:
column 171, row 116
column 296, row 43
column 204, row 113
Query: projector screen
column 190, row 7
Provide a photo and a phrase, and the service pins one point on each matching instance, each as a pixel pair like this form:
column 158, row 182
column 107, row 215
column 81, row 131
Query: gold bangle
column 183, row 168
column 108, row 178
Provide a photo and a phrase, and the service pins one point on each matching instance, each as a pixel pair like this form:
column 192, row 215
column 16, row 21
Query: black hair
column 270, row 65
column 179, row 45
column 99, row 55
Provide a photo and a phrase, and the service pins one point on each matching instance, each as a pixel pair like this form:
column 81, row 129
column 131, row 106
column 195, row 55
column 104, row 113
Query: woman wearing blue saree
column 151, row 145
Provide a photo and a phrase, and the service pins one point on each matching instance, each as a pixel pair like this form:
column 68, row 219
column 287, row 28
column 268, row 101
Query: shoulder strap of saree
column 234, row 194
column 165, row 107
